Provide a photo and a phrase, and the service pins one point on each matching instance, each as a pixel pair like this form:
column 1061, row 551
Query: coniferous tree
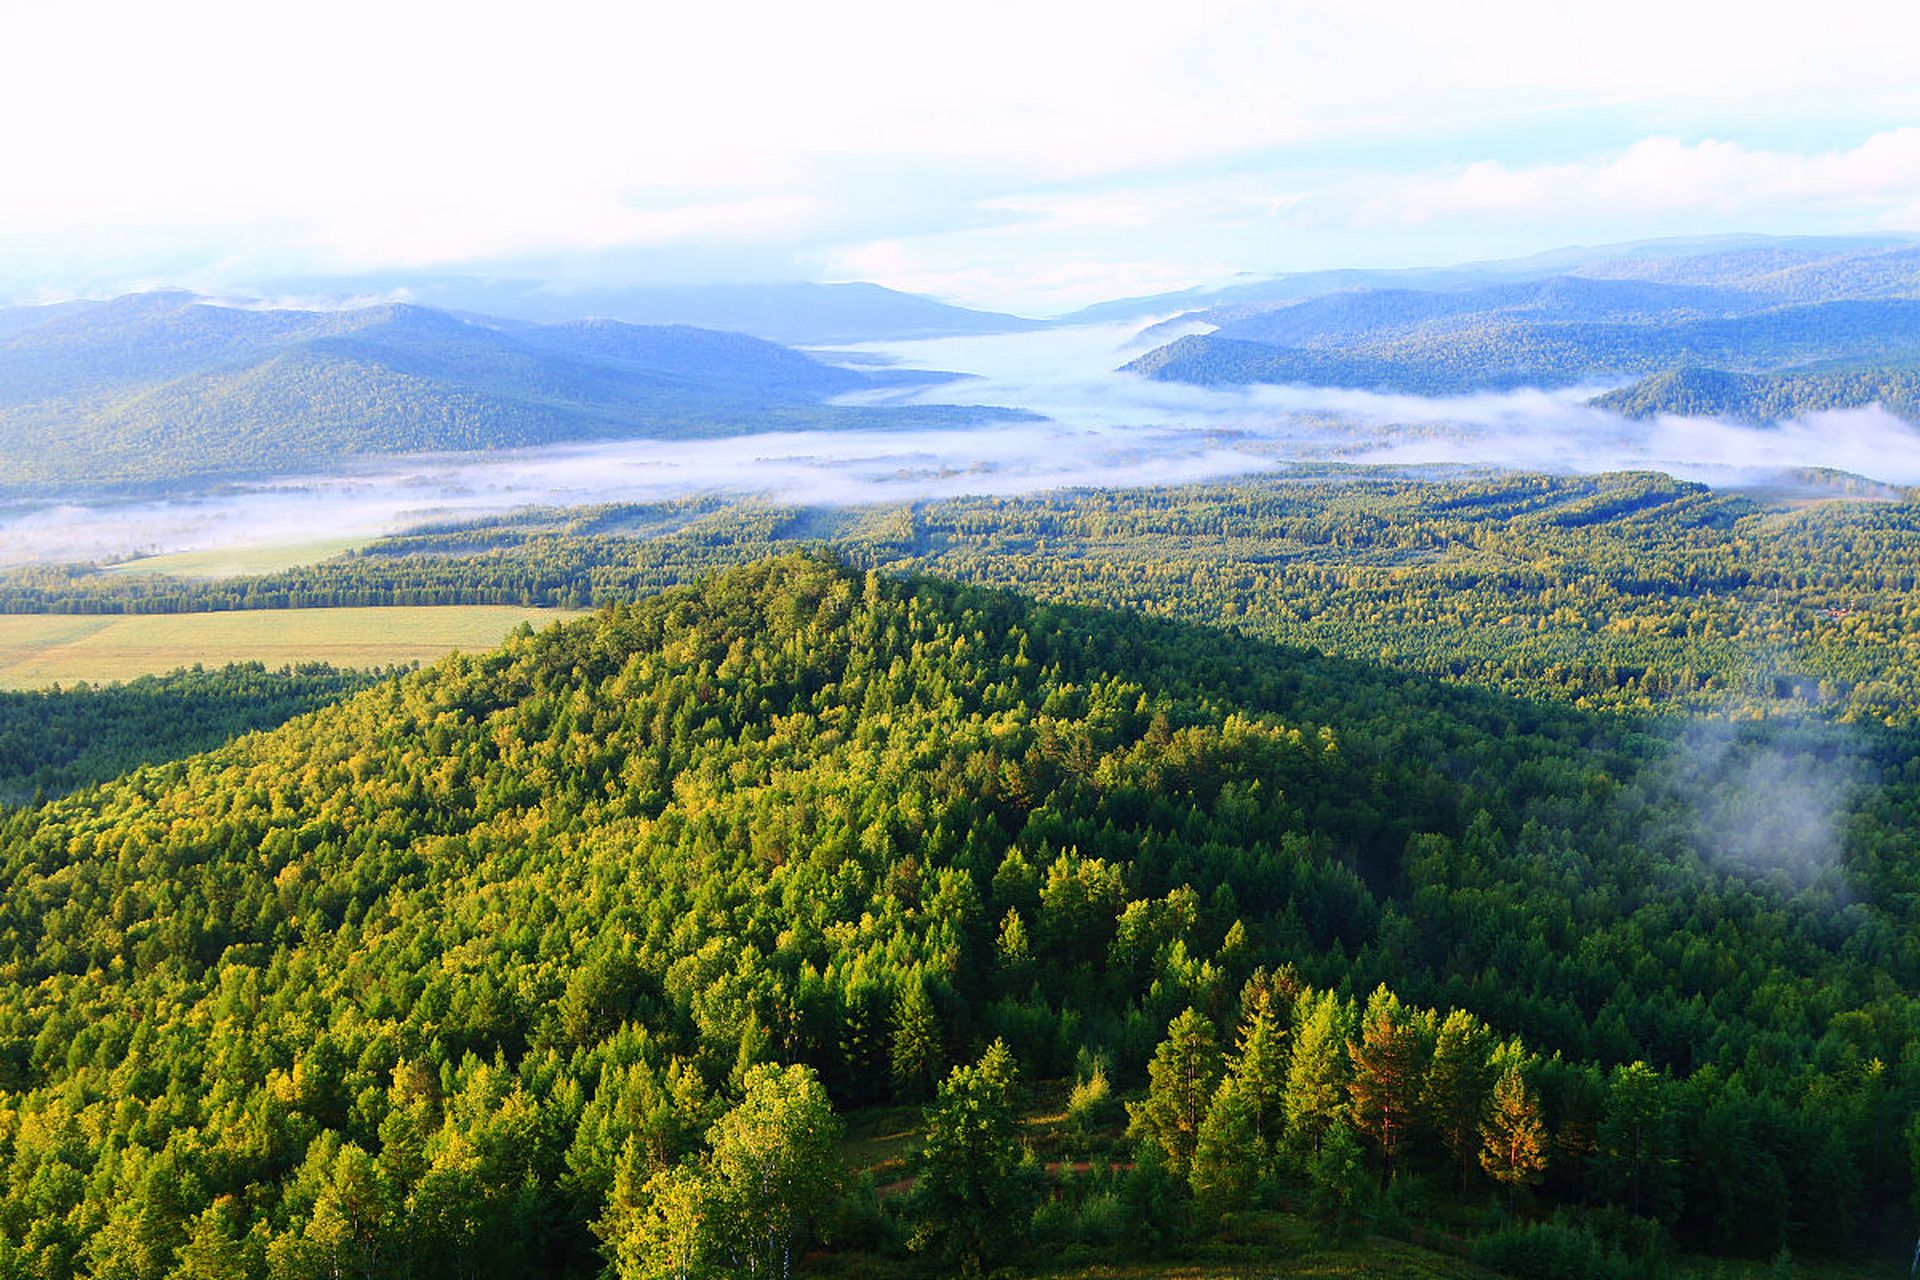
column 1513, row 1136
column 1181, row 1080
column 1227, row 1156
column 1458, row 1084
column 1261, row 1066
column 1636, row 1141
column 916, row 1049
column 1338, row 1184
column 1317, row 1070
column 1387, row 1074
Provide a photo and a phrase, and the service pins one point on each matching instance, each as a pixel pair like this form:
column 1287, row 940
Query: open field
column 37, row 650
column 236, row 561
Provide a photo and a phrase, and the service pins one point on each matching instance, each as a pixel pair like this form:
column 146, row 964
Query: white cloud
column 1659, row 175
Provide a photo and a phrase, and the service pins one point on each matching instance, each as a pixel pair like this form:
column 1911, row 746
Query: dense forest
column 57, row 740
column 577, row 955
column 1630, row 591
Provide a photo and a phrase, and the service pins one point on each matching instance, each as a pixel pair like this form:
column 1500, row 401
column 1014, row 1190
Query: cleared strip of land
column 37, row 650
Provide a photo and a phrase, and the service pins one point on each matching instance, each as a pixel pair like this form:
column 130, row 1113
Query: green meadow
column 37, row 650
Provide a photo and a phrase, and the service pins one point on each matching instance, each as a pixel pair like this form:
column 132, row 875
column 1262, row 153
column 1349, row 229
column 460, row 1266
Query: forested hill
column 157, row 387
column 794, row 312
column 1758, row 332
column 452, row 978
column 1768, row 397
column 1449, row 345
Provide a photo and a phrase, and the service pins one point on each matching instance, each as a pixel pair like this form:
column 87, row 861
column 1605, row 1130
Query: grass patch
column 234, row 562
column 37, row 650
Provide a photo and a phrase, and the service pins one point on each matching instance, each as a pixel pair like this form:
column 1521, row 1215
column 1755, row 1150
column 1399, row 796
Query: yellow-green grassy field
column 233, row 562
column 37, row 650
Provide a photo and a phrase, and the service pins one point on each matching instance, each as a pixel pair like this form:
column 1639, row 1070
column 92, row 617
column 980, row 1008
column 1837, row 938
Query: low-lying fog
column 1107, row 428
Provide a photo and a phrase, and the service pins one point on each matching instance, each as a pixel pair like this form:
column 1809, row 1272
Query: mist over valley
column 863, row 641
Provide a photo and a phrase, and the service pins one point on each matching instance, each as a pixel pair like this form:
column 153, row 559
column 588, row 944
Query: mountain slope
column 465, row 958
column 1454, row 343
column 166, row 387
column 1671, row 313
column 1783, row 268
column 1764, row 397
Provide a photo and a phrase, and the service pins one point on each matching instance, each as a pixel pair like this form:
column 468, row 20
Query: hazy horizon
column 1036, row 163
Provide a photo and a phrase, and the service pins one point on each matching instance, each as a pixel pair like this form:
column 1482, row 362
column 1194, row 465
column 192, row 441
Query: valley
column 1087, row 823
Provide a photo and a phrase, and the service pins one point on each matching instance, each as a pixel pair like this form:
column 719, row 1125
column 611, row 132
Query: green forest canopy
column 441, row 979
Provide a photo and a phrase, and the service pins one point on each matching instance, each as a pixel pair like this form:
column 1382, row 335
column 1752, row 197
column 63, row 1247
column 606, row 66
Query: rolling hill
column 1768, row 397
column 1794, row 325
column 1788, row 268
column 165, row 387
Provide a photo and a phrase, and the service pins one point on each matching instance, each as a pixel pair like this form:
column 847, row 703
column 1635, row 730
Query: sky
column 1026, row 156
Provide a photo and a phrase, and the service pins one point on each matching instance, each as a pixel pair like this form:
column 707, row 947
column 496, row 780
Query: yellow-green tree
column 1513, row 1137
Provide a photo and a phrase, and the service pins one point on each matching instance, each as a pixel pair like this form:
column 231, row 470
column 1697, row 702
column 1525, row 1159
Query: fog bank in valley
column 1107, row 428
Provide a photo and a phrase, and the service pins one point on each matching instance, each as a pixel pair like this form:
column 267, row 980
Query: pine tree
column 1514, row 1150
column 1180, row 1082
column 1261, row 1065
column 1012, row 954
column 1636, row 1142
column 972, row 1194
column 1338, row 1184
column 1227, row 1156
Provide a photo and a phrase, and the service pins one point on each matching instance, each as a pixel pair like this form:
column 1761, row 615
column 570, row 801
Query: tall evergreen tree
column 916, row 1049
column 1261, row 1066
column 1317, row 1069
column 1459, row 1081
column 1181, row 1080
column 1228, row 1158
column 1636, row 1141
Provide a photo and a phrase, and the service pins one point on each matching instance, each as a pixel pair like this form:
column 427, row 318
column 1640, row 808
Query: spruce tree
column 1316, row 1070
column 1459, row 1080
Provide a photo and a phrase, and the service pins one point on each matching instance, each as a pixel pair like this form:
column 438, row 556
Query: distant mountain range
column 796, row 314
column 1751, row 328
column 162, row 387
